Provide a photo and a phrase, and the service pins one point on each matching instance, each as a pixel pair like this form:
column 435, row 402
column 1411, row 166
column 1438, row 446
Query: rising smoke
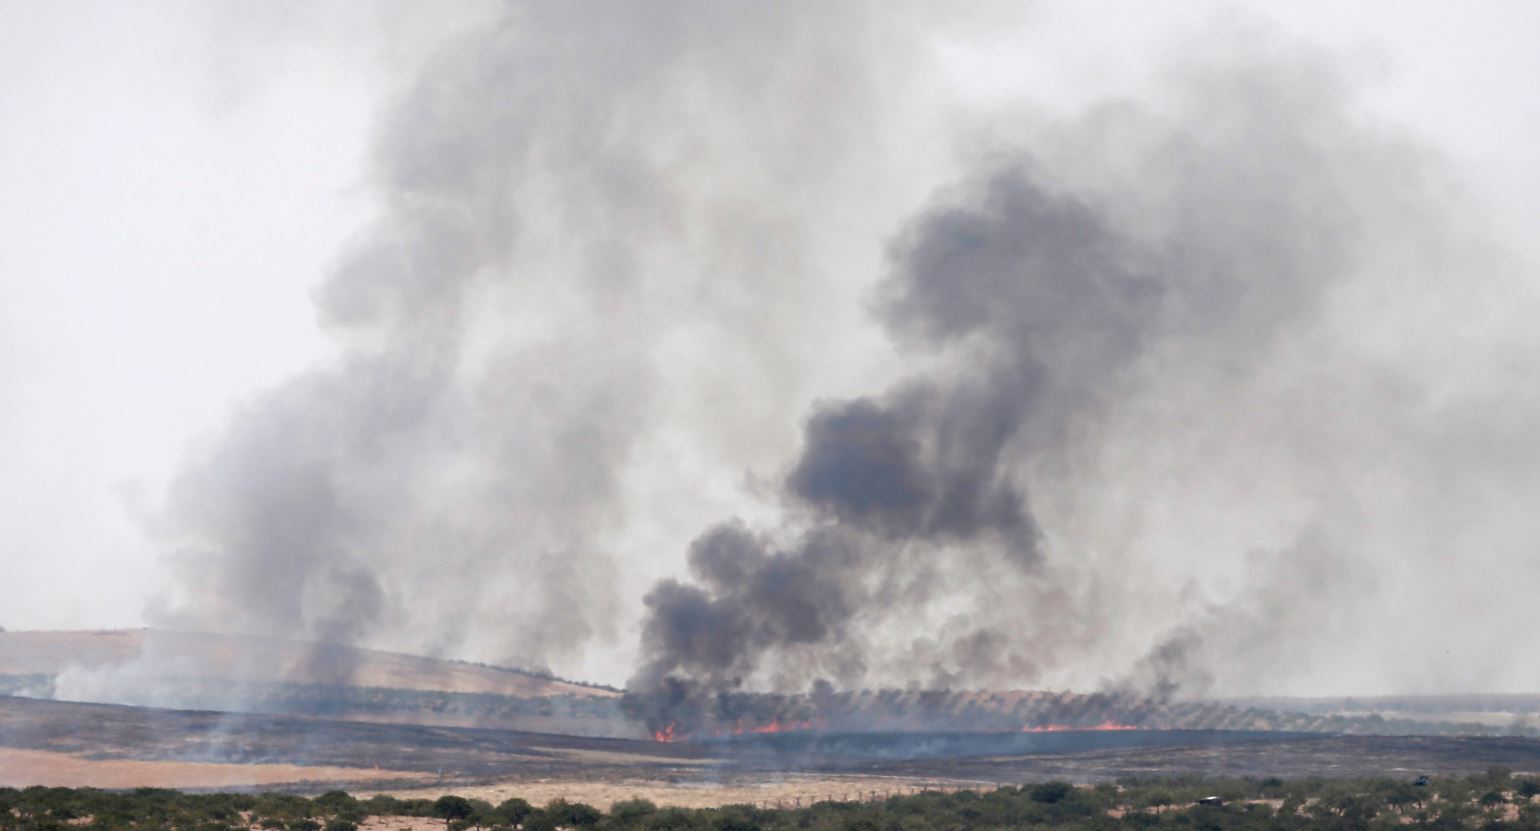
column 1169, row 396
column 576, row 212
column 1043, row 304
column 1136, row 283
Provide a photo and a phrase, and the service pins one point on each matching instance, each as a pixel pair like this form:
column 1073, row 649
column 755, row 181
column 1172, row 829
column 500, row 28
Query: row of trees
column 1487, row 802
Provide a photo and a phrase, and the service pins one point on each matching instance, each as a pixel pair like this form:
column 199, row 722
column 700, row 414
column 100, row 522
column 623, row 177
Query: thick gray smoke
column 1044, row 303
column 1122, row 291
column 1174, row 393
column 576, row 205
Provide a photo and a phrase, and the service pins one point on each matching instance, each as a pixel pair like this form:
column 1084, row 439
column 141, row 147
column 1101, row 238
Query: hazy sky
column 176, row 179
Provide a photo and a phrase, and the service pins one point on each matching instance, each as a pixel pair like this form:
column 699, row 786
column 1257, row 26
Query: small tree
column 572, row 814
column 538, row 821
column 450, row 808
column 1401, row 796
column 1051, row 792
column 335, row 802
column 632, row 810
column 514, row 810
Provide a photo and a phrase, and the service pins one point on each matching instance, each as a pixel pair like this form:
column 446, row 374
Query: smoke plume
column 1160, row 295
column 1171, row 393
column 574, row 210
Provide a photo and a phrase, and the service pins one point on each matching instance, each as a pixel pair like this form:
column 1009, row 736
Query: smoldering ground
column 1025, row 415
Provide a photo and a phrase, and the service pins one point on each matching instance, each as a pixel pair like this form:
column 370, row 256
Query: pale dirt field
column 19, row 768
column 787, row 791
column 401, row 824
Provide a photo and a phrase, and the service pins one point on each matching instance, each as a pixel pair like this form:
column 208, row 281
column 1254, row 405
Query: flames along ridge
column 672, row 732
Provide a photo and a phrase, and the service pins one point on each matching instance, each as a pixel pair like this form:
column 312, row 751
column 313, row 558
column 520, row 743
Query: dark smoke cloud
column 617, row 248
column 1045, row 302
column 904, row 468
column 1077, row 288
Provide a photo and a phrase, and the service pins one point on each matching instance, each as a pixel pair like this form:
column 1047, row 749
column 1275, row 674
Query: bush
column 1335, row 805
column 572, row 814
column 514, row 810
column 629, row 810
column 381, row 806
column 333, row 802
column 450, row 807
column 538, row 821
column 1051, row 792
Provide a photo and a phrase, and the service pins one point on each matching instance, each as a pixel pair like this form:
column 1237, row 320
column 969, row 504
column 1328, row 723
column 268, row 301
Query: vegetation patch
column 1495, row 799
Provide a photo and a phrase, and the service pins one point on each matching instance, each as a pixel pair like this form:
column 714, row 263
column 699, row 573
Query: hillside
column 141, row 655
column 245, row 674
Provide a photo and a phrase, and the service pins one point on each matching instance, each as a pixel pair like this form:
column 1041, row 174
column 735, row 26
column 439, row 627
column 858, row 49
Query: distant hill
column 139, row 655
column 245, row 674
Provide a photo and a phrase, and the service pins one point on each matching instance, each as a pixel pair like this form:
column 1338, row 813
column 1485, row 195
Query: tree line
column 1492, row 801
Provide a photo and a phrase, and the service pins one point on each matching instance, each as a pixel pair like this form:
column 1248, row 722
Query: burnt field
column 396, row 756
column 818, row 750
column 112, row 732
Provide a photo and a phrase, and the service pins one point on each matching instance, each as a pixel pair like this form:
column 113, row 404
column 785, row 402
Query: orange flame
column 667, row 733
column 1060, row 728
column 775, row 725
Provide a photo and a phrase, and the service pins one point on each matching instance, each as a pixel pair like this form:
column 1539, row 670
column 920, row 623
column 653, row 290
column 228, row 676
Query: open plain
column 240, row 713
column 114, row 746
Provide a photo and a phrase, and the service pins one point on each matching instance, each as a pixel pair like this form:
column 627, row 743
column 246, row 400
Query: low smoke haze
column 783, row 347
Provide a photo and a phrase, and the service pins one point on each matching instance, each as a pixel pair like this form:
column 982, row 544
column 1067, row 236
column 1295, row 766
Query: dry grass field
column 59, row 743
column 20, row 768
column 420, row 727
column 765, row 790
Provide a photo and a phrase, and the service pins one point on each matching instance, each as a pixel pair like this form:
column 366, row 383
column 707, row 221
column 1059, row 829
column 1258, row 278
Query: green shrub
column 1051, row 792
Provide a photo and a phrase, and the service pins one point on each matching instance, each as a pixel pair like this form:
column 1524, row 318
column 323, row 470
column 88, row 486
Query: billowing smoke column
column 1164, row 391
column 561, row 193
column 1035, row 295
column 350, row 499
column 1133, row 260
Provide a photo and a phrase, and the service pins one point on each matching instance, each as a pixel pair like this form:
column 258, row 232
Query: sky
column 185, row 182
column 179, row 180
